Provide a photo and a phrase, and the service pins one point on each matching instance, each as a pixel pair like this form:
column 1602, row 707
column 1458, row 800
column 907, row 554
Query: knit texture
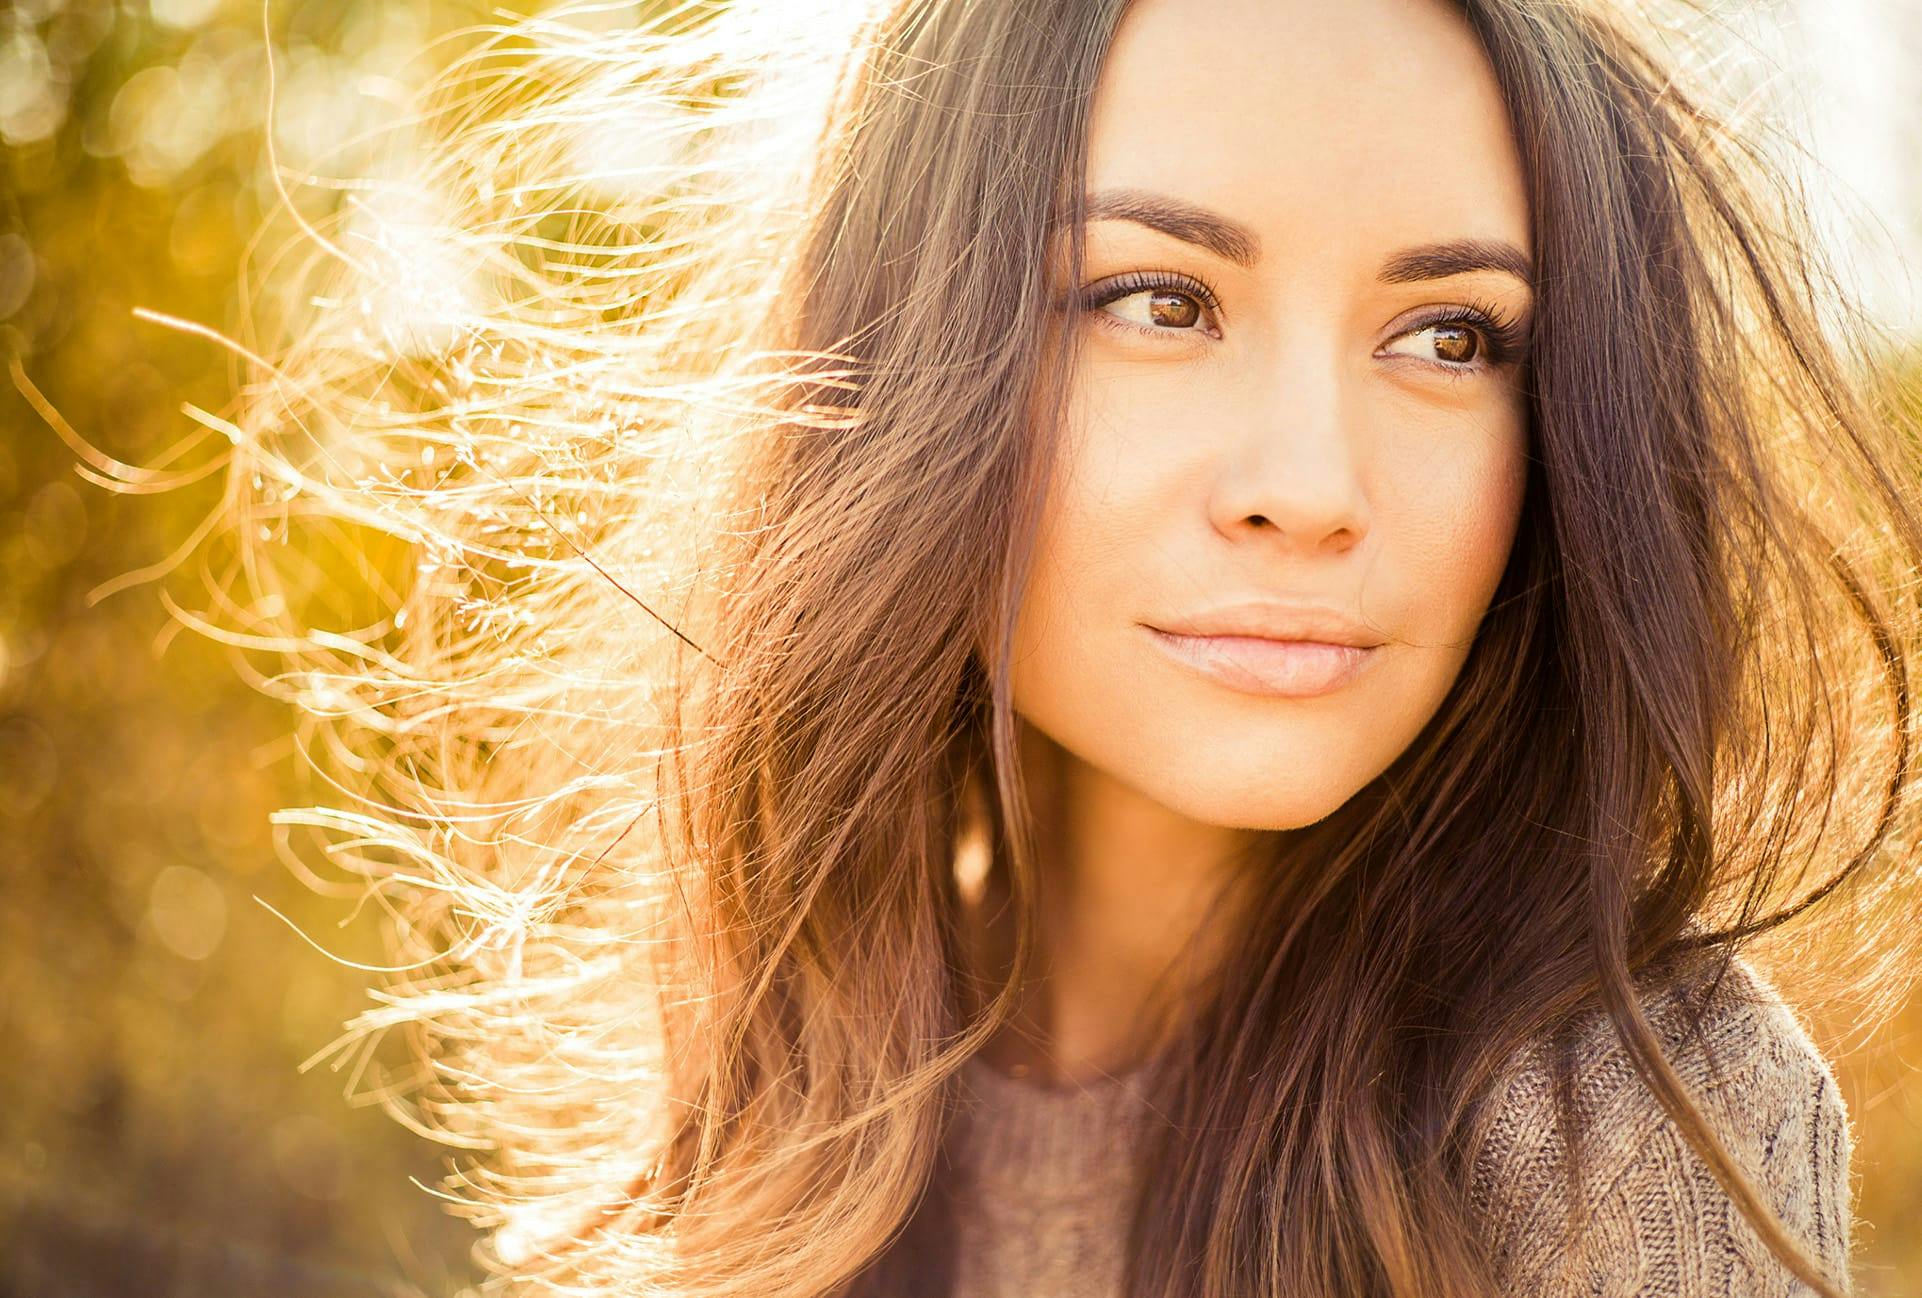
column 1044, row 1177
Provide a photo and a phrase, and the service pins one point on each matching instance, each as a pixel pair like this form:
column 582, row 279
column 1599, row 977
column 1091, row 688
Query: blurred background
column 159, row 1134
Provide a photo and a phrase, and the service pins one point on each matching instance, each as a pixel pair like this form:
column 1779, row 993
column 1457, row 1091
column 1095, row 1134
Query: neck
column 1125, row 931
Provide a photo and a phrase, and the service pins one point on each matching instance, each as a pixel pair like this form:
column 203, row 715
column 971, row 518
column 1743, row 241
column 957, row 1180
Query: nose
column 1290, row 468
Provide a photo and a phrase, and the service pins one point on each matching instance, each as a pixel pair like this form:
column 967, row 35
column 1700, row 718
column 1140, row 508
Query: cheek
column 1449, row 518
column 1099, row 562
column 1077, row 573
column 1119, row 490
column 1446, row 522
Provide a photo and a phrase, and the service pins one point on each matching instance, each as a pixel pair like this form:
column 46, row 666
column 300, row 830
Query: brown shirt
column 1044, row 1176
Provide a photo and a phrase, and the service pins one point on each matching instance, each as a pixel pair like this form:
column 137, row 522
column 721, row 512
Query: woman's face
column 1306, row 282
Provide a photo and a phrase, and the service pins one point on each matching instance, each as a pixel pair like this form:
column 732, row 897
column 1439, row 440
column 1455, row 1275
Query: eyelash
column 1137, row 281
column 1503, row 337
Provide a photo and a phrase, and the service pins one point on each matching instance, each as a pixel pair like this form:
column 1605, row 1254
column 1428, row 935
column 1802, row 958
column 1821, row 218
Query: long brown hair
column 714, row 512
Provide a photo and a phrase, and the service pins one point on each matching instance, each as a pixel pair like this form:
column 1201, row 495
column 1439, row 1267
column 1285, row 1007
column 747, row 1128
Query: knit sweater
column 1044, row 1175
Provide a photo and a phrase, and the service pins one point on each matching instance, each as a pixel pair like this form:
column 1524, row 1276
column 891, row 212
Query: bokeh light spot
column 187, row 912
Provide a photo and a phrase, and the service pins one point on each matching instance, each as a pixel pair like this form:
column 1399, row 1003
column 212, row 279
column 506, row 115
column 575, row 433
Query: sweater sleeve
column 1649, row 1219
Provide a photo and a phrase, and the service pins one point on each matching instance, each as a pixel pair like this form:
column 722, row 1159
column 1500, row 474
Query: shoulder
column 1635, row 1210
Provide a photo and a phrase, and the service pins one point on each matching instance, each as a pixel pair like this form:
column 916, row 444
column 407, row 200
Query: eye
column 1452, row 343
column 1461, row 340
column 1156, row 302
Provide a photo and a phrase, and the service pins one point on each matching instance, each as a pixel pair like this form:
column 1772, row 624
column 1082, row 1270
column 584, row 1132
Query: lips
column 1285, row 668
column 1271, row 619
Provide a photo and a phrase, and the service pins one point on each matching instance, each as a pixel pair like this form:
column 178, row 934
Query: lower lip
column 1295, row 669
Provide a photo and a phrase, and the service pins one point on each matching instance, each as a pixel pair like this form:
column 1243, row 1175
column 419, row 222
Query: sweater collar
column 1021, row 1137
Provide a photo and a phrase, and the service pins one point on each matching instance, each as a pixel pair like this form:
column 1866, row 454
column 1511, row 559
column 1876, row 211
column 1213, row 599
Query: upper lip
column 1271, row 619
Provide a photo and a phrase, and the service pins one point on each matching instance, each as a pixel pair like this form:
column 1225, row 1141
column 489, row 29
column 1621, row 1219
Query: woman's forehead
column 1377, row 121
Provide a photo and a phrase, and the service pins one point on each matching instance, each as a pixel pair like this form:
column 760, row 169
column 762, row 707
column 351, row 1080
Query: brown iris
column 1175, row 310
column 1457, row 344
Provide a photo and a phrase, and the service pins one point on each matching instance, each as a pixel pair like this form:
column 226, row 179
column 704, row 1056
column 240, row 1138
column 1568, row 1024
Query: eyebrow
column 1235, row 242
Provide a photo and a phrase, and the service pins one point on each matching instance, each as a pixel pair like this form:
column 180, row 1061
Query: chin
column 1221, row 758
column 1215, row 786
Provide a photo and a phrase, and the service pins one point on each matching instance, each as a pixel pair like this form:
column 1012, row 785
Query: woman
column 1102, row 648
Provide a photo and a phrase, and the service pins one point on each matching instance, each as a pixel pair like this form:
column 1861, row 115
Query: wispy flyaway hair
column 632, row 485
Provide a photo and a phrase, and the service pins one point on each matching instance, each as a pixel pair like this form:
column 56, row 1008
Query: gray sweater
column 1042, row 1174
